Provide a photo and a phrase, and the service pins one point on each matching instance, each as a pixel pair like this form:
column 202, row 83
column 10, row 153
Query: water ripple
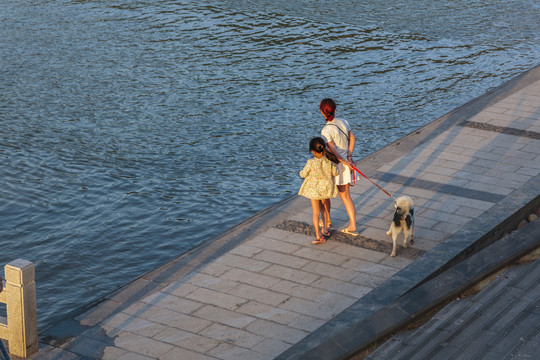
column 133, row 131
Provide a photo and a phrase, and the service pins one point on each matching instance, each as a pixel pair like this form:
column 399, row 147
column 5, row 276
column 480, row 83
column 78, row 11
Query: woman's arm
column 350, row 150
column 332, row 148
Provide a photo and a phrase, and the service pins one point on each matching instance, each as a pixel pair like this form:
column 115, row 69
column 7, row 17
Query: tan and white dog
column 403, row 221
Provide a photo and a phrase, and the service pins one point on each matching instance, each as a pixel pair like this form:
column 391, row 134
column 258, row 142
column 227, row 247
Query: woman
column 340, row 141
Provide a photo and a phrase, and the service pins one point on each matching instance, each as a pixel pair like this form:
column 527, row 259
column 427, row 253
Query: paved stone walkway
column 263, row 291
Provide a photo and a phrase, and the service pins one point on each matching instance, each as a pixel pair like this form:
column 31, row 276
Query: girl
column 319, row 185
column 340, row 140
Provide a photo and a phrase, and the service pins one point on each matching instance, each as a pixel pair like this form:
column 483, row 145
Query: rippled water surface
column 131, row 131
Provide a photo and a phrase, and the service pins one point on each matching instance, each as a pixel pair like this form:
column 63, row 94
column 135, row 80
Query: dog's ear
column 411, row 211
column 397, row 219
column 408, row 221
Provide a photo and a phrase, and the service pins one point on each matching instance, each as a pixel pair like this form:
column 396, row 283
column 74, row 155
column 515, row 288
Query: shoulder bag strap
column 347, row 136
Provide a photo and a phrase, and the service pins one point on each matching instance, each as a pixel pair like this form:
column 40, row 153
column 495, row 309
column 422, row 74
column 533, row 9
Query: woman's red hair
column 328, row 108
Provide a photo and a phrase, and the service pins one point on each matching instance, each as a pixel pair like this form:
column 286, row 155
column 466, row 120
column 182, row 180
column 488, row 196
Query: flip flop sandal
column 349, row 232
column 318, row 241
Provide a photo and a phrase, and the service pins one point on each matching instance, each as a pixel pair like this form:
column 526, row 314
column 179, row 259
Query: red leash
column 380, row 188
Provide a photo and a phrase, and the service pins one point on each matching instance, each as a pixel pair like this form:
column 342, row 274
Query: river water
column 131, row 131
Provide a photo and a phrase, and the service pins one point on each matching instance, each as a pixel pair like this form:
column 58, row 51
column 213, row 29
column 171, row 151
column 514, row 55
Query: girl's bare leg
column 315, row 206
column 325, row 207
column 349, row 206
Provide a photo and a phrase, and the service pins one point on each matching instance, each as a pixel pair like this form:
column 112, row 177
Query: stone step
column 492, row 324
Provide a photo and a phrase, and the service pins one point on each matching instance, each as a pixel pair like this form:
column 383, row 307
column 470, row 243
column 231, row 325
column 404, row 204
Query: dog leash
column 380, row 188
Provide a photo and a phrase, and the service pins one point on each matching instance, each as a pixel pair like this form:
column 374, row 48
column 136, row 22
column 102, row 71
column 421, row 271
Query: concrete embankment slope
column 263, row 291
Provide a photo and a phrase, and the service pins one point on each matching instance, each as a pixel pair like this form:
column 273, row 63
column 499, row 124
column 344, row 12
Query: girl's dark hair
column 317, row 144
column 328, row 108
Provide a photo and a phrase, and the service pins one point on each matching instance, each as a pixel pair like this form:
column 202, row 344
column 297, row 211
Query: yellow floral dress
column 318, row 175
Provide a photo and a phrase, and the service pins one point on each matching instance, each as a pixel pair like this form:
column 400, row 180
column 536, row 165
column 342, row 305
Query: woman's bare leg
column 349, row 206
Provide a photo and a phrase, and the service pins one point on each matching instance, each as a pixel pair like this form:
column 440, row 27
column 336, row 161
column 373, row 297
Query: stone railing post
column 21, row 308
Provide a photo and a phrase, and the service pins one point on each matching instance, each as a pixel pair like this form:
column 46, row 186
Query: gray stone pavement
column 263, row 291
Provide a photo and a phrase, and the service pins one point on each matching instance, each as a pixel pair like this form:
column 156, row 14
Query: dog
column 403, row 221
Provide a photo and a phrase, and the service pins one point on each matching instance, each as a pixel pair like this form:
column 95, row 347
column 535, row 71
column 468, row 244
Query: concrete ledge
column 429, row 295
